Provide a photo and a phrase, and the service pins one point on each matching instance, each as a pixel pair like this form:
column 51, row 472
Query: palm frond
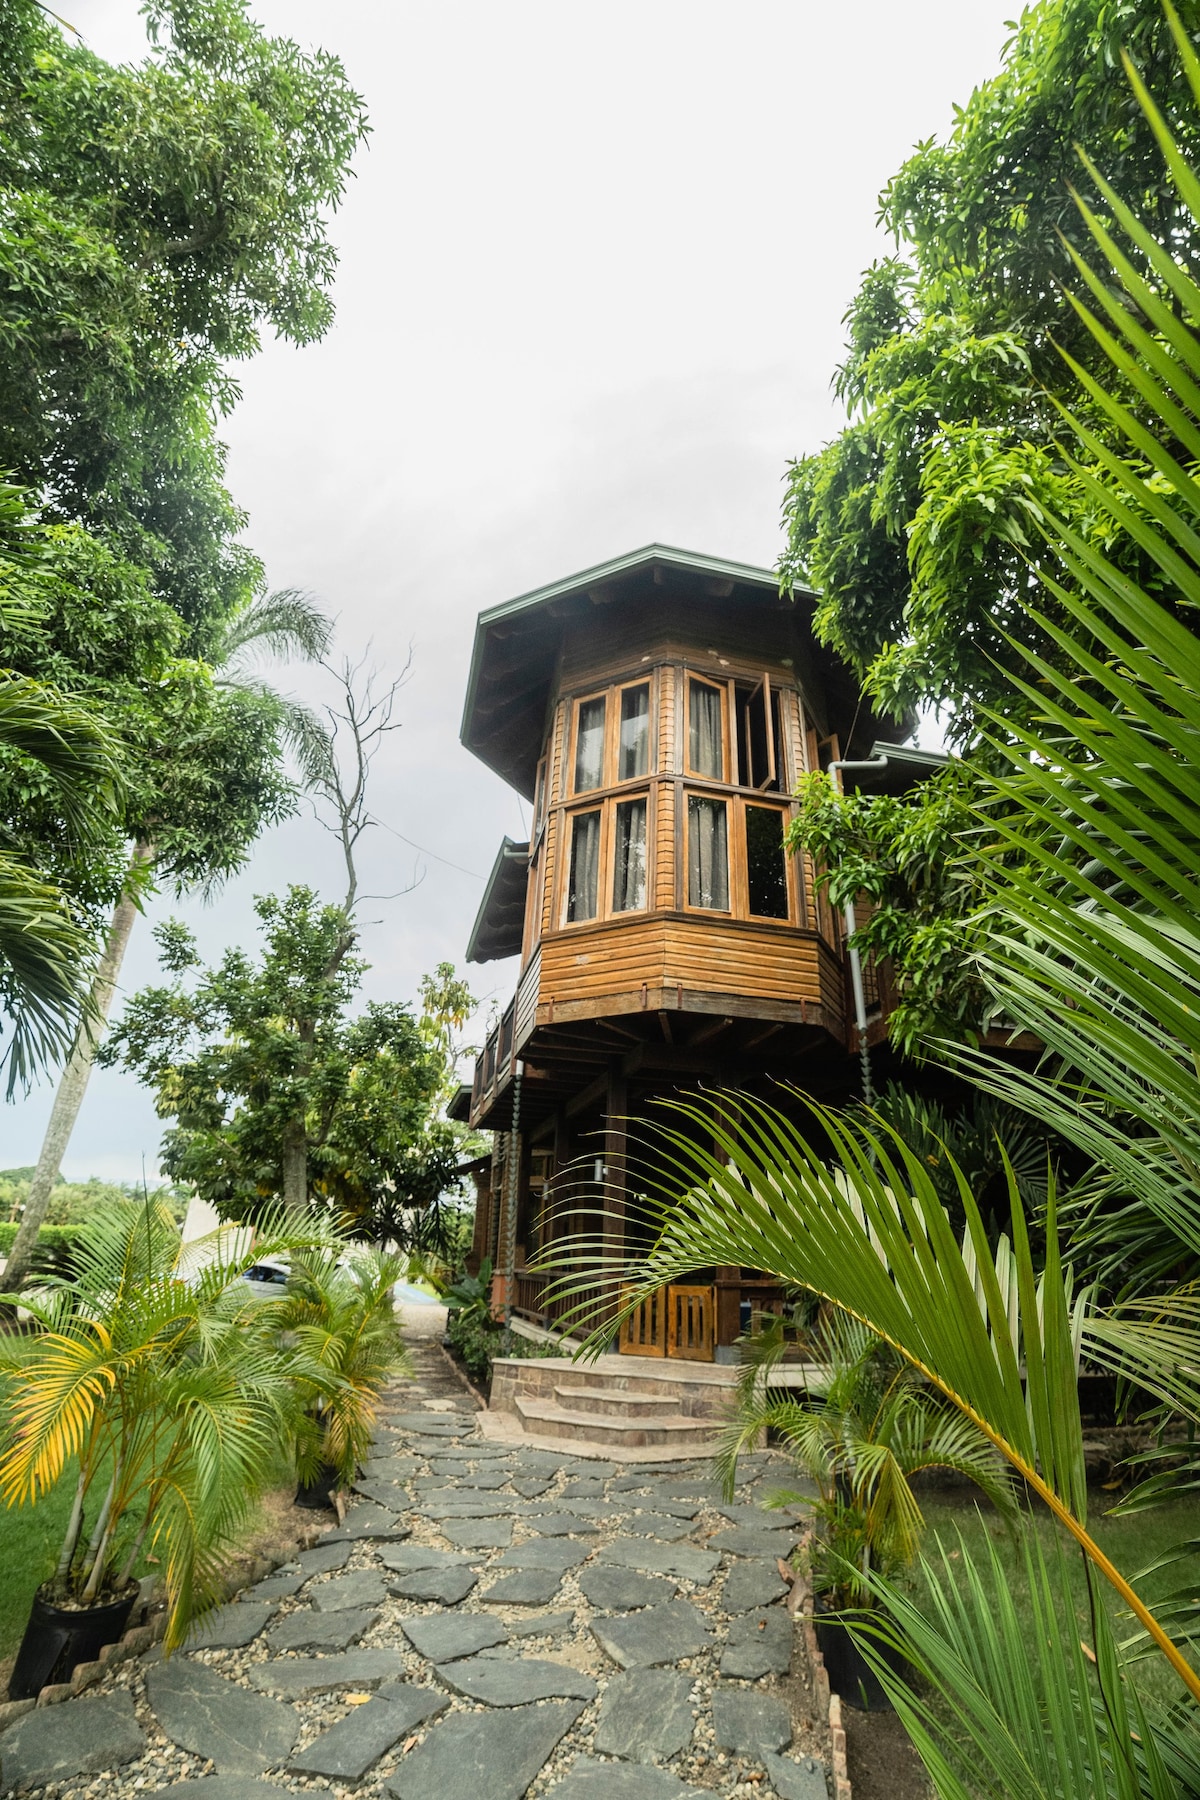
column 998, row 1708
column 287, row 625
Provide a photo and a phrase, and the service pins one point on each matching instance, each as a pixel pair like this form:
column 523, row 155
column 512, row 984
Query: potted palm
column 159, row 1390
column 866, row 1428
column 338, row 1315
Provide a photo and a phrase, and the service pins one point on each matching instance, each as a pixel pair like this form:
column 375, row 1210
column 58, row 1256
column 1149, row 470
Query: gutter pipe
column 856, row 973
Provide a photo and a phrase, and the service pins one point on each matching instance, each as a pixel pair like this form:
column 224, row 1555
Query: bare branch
column 357, row 727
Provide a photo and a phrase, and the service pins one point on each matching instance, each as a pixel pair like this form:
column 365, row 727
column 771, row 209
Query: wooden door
column 675, row 1321
column 692, row 1322
column 644, row 1333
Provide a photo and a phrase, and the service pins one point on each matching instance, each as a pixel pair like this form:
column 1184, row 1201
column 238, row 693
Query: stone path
column 490, row 1622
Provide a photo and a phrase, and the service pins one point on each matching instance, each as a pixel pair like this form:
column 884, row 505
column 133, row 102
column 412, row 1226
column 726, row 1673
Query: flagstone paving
column 489, row 1622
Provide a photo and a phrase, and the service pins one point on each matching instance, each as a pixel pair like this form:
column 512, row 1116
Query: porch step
column 600, row 1399
column 548, row 1419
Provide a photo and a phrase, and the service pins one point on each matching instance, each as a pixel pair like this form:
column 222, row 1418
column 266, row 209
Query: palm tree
column 284, row 624
column 158, row 1384
column 43, row 948
column 1094, row 945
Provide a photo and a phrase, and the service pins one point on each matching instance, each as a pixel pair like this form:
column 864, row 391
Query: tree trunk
column 73, row 1082
column 295, row 1166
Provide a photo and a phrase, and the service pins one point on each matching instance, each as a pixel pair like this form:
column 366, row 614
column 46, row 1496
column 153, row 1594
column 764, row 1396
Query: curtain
column 708, row 853
column 635, row 733
column 585, row 867
column 706, row 739
column 629, row 875
column 589, row 745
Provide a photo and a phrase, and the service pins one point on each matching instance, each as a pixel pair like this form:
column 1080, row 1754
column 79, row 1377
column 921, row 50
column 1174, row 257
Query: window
column 589, row 744
column 629, row 857
column 766, row 864
column 706, row 730
column 583, row 893
column 634, row 752
column 708, row 853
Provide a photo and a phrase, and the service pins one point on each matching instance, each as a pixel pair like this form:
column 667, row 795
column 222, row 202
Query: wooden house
column 656, row 714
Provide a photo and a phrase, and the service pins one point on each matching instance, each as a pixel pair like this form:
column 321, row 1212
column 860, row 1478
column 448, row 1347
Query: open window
column 706, row 729
column 759, row 736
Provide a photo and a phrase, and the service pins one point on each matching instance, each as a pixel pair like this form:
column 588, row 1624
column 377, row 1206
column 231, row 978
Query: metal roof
column 517, row 643
column 500, row 921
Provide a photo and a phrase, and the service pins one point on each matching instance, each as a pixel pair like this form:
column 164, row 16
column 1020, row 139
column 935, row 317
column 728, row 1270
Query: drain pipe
column 856, row 973
column 509, row 1249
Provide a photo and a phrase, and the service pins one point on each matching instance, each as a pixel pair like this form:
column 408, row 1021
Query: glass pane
column 589, row 745
column 708, row 853
column 584, row 889
column 629, row 873
column 706, row 738
column 635, row 734
column 766, row 863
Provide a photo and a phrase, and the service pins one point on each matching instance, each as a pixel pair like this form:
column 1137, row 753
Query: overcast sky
column 593, row 266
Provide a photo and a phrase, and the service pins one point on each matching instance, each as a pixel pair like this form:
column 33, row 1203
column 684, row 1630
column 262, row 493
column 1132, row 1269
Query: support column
column 616, row 1149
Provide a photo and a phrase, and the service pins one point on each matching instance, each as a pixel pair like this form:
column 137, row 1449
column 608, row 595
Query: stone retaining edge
column 831, row 1705
column 142, row 1637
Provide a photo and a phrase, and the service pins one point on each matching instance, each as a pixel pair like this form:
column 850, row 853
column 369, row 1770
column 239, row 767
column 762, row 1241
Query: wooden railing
column 495, row 1064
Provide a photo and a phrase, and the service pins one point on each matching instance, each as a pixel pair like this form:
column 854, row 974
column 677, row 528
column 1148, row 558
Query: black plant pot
column 58, row 1637
column 317, row 1495
column 849, row 1672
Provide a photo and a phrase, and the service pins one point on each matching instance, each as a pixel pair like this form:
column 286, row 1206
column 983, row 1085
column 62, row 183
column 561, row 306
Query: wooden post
column 616, row 1144
column 729, row 1303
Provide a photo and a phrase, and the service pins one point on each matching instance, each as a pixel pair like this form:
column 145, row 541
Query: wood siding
column 686, row 955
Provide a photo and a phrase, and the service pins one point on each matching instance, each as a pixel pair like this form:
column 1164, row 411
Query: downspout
column 856, row 974
column 513, row 1184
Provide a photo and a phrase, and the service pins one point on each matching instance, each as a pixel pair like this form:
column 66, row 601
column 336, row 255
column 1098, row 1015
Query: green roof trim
column 666, row 556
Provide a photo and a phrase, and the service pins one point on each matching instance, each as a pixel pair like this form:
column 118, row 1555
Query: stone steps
column 614, row 1403
column 549, row 1419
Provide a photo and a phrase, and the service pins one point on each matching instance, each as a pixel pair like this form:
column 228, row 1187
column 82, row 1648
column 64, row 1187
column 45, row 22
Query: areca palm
column 164, row 1388
column 1093, row 945
column 338, row 1312
column 865, row 1431
column 283, row 624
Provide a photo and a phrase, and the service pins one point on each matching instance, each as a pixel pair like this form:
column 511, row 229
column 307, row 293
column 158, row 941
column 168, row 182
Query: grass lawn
column 1132, row 1544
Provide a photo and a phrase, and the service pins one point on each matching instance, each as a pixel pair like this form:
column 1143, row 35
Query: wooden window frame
column 736, row 801
column 577, row 705
column 726, row 691
column 610, row 761
column 607, row 808
column 767, row 803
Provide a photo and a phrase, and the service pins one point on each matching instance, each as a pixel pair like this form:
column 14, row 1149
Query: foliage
column 160, row 1387
column 1092, row 944
column 55, row 1250
column 72, row 1201
column 248, row 1052
column 476, row 1342
column 473, row 1332
column 153, row 219
column 67, row 752
column 917, row 525
column 338, row 1315
column 904, row 856
column 922, row 525
column 864, row 1431
column 1027, row 1718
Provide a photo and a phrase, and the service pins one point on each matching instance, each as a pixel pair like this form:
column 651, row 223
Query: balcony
column 495, row 1067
